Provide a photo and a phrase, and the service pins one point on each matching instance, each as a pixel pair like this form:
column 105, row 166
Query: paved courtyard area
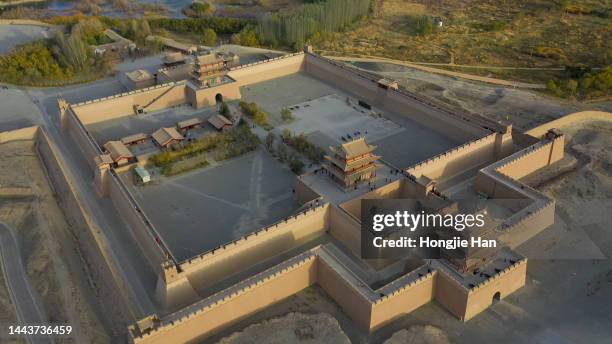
column 200, row 210
column 327, row 114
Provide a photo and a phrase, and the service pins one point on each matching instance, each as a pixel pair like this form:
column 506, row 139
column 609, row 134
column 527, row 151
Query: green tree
column 249, row 38
column 571, row 87
column 74, row 49
column 224, row 110
column 209, row 37
column 296, row 164
column 553, row 88
column 286, row 115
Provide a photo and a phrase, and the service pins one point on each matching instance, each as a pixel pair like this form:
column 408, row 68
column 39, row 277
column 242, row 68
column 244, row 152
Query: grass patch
column 189, row 156
column 173, row 170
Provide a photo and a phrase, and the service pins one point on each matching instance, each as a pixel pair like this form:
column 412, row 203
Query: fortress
column 320, row 242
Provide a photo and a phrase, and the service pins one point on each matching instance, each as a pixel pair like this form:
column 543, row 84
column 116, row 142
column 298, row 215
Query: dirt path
column 24, row 299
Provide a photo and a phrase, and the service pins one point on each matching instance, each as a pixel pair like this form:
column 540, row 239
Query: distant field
column 528, row 33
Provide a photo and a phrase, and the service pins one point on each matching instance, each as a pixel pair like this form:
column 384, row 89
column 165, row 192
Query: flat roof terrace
column 199, row 210
column 326, row 114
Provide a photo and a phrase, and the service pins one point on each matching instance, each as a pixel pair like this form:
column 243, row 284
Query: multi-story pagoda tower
column 208, row 70
column 352, row 163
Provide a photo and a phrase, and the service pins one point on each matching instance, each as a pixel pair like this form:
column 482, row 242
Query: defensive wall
column 260, row 71
column 108, row 183
column 370, row 309
column 573, row 118
column 367, row 88
column 501, row 180
column 74, row 119
column 153, row 98
column 94, row 246
column 180, row 282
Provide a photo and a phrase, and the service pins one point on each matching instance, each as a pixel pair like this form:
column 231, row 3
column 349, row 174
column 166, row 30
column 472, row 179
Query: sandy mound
column 419, row 334
column 292, row 328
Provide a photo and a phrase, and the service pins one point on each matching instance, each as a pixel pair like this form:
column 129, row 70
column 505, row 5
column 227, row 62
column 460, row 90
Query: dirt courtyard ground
column 583, row 195
column 208, row 207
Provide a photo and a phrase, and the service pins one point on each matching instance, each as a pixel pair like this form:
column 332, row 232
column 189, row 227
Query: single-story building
column 140, row 78
column 119, row 153
column 172, row 59
column 220, row 122
column 165, row 137
column 134, row 139
column 189, row 124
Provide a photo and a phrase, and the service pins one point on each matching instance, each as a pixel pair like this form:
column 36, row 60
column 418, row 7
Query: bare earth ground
column 425, row 334
column 292, row 328
column 40, row 225
column 524, row 109
column 7, row 311
column 583, row 192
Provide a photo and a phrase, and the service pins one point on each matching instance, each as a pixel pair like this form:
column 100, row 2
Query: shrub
column 252, row 110
column 296, row 164
column 301, row 144
column 32, row 63
column 421, row 25
column 286, row 115
column 224, row 110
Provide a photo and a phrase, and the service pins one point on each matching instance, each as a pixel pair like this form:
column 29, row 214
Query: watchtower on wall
column 208, row 71
column 352, row 163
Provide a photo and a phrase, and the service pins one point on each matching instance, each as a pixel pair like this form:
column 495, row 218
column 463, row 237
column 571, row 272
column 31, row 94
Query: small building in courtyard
column 189, row 124
column 172, row 59
column 134, row 139
column 165, row 137
column 220, row 122
column 119, row 153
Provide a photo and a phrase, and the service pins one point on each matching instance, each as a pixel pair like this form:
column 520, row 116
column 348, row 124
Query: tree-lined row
column 296, row 27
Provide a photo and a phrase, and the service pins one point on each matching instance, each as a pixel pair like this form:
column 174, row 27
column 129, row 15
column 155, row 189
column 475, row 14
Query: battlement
column 422, row 168
column 298, row 272
column 124, row 94
column 282, row 57
column 498, row 276
column 282, row 225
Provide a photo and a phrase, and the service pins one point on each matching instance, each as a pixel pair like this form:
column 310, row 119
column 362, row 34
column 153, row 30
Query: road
column 24, row 299
column 123, row 264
